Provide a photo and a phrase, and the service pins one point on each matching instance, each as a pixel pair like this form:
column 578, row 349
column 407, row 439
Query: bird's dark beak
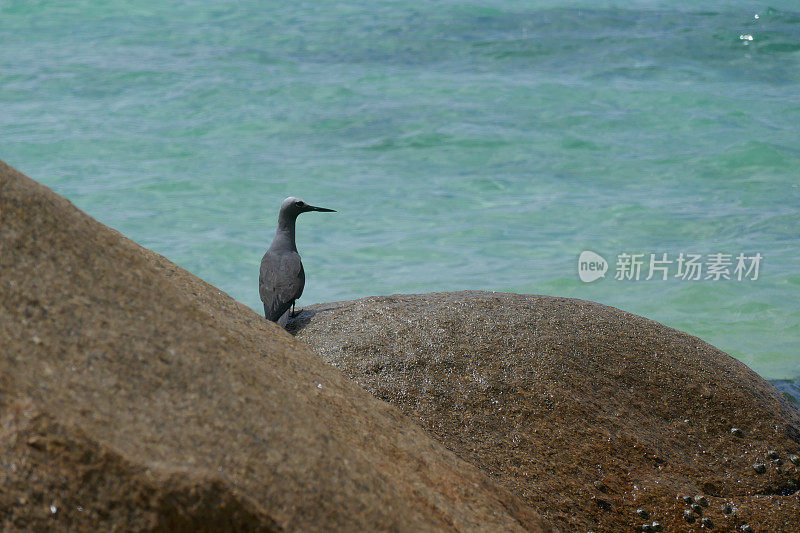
column 322, row 209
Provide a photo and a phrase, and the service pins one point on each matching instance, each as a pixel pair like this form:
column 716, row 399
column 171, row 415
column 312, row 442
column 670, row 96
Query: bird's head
column 291, row 207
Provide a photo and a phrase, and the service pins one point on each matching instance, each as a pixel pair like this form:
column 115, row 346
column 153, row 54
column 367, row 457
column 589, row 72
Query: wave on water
column 790, row 388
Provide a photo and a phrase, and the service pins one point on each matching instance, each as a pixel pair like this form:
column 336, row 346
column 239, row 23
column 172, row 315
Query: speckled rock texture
column 600, row 419
column 135, row 397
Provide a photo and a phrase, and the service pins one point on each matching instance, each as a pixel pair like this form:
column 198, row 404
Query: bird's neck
column 284, row 235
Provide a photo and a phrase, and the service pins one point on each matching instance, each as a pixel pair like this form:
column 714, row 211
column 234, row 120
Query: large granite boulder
column 598, row 418
column 134, row 396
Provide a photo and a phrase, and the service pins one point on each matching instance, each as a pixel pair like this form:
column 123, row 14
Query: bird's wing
column 280, row 282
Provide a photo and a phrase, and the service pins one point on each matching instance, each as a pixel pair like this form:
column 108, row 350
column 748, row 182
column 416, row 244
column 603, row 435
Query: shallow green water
column 466, row 145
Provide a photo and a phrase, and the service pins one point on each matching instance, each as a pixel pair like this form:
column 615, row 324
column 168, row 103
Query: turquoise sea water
column 466, row 145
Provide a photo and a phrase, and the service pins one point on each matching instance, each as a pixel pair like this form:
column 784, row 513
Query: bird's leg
column 292, row 314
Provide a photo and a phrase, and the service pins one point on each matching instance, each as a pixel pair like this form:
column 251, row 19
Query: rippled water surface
column 465, row 145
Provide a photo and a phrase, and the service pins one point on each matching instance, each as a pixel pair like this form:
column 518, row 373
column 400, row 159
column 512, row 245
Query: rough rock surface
column 586, row 412
column 134, row 396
